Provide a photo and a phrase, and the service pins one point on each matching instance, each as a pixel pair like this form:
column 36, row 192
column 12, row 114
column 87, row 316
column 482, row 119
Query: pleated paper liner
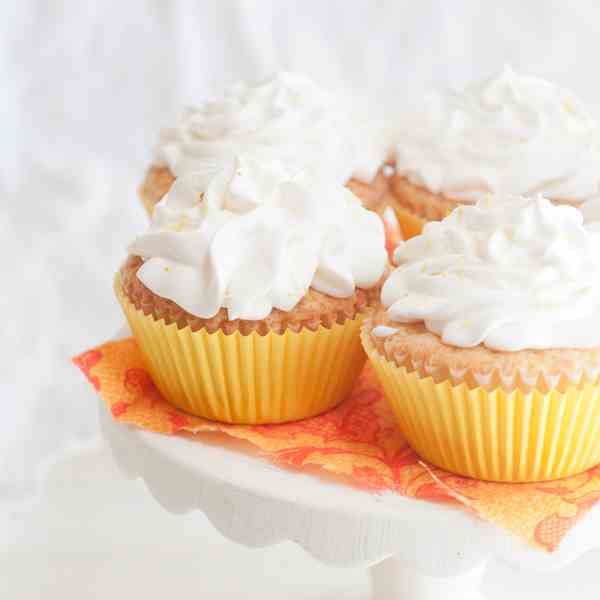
column 494, row 435
column 410, row 224
column 249, row 379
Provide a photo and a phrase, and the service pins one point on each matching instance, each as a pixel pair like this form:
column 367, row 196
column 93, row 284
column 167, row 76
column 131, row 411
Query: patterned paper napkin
column 359, row 440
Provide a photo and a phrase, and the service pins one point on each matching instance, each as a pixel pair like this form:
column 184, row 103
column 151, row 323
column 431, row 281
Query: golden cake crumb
column 415, row 347
column 313, row 310
column 156, row 184
column 431, row 206
column 419, row 201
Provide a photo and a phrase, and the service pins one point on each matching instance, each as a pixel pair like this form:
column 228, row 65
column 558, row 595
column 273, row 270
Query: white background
column 85, row 88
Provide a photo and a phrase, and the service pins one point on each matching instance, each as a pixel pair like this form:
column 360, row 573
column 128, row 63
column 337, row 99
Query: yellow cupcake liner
column 410, row 223
column 249, row 379
column 494, row 435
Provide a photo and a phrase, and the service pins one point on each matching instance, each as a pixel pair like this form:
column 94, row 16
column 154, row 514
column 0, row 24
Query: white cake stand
column 414, row 550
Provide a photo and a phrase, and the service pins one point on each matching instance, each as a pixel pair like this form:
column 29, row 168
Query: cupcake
column 250, row 314
column 487, row 342
column 511, row 134
column 287, row 123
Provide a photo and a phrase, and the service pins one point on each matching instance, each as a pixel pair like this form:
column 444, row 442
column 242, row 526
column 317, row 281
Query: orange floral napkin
column 359, row 440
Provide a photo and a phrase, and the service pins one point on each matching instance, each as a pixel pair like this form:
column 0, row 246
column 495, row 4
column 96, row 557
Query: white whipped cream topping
column 591, row 212
column 511, row 134
column 216, row 249
column 287, row 119
column 382, row 331
column 510, row 273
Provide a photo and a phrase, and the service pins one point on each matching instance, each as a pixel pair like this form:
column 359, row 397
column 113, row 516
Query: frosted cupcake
column 511, row 134
column 488, row 341
column 252, row 315
column 287, row 123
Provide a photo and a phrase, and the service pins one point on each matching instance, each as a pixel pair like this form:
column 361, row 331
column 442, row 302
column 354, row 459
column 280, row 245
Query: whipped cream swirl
column 591, row 212
column 207, row 250
column 511, row 134
column 286, row 119
column 511, row 273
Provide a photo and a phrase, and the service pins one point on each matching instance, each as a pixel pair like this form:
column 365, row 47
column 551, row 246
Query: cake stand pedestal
column 414, row 550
